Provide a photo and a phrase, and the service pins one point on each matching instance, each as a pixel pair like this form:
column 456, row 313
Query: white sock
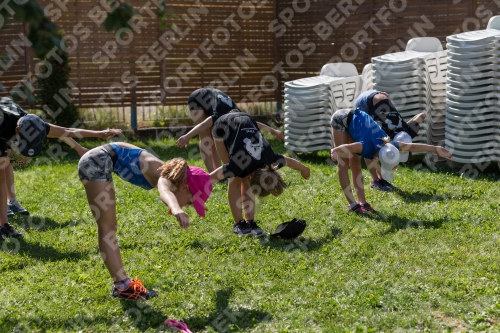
column 352, row 205
column 122, row 284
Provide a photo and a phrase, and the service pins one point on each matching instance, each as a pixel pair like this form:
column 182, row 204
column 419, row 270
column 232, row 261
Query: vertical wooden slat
column 254, row 35
column 277, row 56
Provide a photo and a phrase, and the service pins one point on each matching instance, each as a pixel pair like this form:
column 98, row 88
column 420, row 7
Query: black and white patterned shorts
column 340, row 120
column 96, row 165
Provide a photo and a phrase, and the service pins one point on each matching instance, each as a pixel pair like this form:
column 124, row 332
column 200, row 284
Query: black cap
column 201, row 99
column 32, row 132
column 290, row 230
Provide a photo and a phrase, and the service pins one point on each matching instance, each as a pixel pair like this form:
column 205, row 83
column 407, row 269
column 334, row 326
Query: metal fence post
column 133, row 118
column 279, row 109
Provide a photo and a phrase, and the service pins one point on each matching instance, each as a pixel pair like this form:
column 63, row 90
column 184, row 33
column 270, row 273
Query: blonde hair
column 175, row 170
column 268, row 181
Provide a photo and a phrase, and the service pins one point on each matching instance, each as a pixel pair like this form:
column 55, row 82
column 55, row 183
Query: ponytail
column 268, row 181
column 175, row 170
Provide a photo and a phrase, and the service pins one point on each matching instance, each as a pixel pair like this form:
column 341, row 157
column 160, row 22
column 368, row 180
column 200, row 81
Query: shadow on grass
column 39, row 251
column 39, row 223
column 398, row 223
column 143, row 316
column 316, row 158
column 488, row 171
column 417, row 196
column 301, row 243
column 224, row 317
column 79, row 323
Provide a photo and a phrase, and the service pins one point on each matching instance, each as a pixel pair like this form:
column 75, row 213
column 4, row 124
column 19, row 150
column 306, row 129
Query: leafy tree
column 45, row 36
column 54, row 94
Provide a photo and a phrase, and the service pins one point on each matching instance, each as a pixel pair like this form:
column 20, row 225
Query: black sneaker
column 7, row 231
column 358, row 209
column 242, row 228
column 367, row 208
column 9, row 212
column 135, row 290
column 389, row 185
column 256, row 231
column 380, row 185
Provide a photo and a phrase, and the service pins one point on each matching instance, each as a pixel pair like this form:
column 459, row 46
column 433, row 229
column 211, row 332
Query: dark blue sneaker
column 9, row 212
column 7, row 231
column 16, row 207
column 135, row 290
column 255, row 231
column 380, row 185
column 242, row 228
column 389, row 185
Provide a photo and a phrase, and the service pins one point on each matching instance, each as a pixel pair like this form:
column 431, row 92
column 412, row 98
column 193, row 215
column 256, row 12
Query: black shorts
column 4, row 146
column 341, row 119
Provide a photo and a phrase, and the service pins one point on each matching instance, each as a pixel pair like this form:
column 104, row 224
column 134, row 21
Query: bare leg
column 248, row 199
column 357, row 177
column 234, row 197
column 207, row 150
column 343, row 161
column 221, row 150
column 9, row 179
column 373, row 170
column 101, row 198
column 234, row 186
column 3, row 191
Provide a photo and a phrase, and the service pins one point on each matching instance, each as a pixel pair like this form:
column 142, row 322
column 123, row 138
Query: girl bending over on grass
column 356, row 134
column 378, row 105
column 250, row 165
column 205, row 106
column 179, row 185
column 25, row 133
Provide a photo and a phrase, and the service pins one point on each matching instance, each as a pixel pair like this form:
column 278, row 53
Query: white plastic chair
column 339, row 69
column 494, row 23
column 424, row 44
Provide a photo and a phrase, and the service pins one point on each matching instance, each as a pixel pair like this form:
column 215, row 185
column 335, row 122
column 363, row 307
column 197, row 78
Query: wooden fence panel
column 248, row 49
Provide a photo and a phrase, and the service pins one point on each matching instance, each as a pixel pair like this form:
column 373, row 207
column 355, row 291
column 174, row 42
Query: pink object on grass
column 177, row 325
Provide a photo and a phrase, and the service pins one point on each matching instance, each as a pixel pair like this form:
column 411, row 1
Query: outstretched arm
column 217, row 174
column 169, row 199
column 204, row 125
column 75, row 145
column 421, row 147
column 345, row 150
column 57, row 132
column 296, row 165
column 277, row 134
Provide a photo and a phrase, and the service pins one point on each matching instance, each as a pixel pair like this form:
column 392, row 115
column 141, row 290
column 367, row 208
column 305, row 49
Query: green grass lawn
column 429, row 262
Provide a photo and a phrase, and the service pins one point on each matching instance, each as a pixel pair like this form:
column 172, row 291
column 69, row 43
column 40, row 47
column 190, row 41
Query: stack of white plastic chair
column 415, row 80
column 473, row 95
column 367, row 78
column 310, row 103
column 435, row 122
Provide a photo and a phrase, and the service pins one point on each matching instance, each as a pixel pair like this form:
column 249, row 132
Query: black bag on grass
column 290, row 230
